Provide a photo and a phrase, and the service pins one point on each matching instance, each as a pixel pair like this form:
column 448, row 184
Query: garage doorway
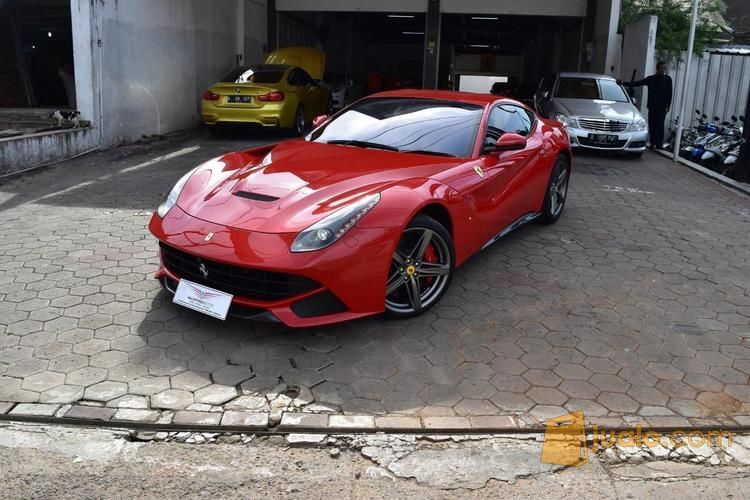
column 36, row 45
column 513, row 50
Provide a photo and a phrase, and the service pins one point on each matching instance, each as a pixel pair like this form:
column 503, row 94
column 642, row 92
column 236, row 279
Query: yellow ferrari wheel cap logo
column 208, row 237
column 410, row 270
column 479, row 170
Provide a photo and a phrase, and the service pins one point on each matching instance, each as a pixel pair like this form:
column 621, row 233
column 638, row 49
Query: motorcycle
column 717, row 149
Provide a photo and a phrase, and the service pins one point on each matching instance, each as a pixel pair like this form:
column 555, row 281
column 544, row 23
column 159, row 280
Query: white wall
column 606, row 18
column 155, row 59
column 638, row 48
column 516, row 7
column 255, row 31
column 353, row 5
column 525, row 7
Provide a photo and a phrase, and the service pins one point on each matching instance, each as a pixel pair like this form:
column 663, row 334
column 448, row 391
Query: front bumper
column 353, row 270
column 629, row 142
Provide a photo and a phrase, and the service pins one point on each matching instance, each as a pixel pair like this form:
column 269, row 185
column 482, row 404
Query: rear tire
column 557, row 191
column 299, row 127
column 421, row 269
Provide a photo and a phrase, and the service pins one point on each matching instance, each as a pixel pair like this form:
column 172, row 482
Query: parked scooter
column 706, row 132
column 717, row 149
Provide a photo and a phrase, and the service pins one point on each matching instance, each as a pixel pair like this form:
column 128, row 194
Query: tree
column 674, row 22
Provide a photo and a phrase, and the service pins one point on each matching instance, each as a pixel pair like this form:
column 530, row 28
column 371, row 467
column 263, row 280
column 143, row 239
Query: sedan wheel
column 421, row 268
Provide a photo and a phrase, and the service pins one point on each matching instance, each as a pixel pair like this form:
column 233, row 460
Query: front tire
column 557, row 191
column 421, row 269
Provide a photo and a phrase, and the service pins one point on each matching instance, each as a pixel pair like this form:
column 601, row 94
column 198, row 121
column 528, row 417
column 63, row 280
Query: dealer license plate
column 203, row 299
column 603, row 138
column 242, row 99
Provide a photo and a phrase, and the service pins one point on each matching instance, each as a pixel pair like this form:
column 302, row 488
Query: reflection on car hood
column 612, row 110
column 297, row 184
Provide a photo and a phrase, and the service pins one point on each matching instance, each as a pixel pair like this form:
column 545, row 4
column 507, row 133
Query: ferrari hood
column 296, row 184
column 311, row 60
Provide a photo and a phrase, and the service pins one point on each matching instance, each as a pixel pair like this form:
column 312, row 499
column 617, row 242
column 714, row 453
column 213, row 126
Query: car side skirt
column 525, row 219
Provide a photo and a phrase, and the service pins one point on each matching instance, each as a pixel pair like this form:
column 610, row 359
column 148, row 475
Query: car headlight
column 638, row 125
column 566, row 120
column 330, row 229
column 171, row 199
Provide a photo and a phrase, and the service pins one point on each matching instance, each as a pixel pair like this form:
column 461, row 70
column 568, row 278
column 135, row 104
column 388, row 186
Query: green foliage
column 673, row 30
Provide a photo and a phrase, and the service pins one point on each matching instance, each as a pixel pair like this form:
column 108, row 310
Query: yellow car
column 284, row 92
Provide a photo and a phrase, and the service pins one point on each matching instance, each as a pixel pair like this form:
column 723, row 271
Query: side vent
column 256, row 196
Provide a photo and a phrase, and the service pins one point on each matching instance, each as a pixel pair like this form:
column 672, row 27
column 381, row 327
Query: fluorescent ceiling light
column 479, row 46
column 413, row 32
column 405, row 16
column 483, row 18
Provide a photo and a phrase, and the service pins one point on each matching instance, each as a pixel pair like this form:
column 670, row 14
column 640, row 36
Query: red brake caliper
column 430, row 255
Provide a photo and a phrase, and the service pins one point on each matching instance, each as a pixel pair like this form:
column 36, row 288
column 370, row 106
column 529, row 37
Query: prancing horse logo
column 203, row 270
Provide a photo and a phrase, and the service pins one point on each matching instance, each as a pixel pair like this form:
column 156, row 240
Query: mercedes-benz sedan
column 596, row 111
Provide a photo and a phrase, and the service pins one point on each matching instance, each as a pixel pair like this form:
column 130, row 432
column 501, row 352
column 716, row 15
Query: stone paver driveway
column 637, row 303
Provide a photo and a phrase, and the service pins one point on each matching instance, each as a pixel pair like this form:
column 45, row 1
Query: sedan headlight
column 566, row 120
column 171, row 199
column 638, row 125
column 333, row 227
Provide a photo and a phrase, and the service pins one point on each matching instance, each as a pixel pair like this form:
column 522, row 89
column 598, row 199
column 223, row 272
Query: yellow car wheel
column 299, row 122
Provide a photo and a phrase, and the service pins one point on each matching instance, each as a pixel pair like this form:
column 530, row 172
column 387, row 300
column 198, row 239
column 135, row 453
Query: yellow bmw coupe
column 284, row 92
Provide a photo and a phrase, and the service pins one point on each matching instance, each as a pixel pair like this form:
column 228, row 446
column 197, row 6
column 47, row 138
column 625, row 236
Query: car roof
column 570, row 74
column 446, row 95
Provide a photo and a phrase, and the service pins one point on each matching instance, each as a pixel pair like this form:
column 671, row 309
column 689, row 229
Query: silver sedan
column 597, row 112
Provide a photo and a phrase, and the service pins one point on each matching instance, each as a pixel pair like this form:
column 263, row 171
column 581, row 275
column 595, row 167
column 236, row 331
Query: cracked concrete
column 60, row 462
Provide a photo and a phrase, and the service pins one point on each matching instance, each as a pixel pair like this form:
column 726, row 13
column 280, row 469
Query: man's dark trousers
column 656, row 127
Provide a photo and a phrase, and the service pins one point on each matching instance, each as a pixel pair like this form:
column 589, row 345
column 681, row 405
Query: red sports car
column 372, row 211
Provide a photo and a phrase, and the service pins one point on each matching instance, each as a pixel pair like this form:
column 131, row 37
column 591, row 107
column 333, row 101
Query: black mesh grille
column 245, row 282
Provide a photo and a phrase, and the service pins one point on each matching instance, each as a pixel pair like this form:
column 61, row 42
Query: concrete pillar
column 431, row 45
column 606, row 18
column 240, row 33
column 85, row 46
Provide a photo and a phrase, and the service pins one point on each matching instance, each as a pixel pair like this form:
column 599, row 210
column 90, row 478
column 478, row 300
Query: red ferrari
column 371, row 212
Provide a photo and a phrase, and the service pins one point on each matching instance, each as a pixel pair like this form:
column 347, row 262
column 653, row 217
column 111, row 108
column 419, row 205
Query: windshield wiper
column 363, row 144
column 426, row 152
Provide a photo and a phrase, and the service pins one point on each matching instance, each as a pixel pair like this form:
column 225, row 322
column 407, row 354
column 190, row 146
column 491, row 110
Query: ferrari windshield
column 427, row 126
column 264, row 73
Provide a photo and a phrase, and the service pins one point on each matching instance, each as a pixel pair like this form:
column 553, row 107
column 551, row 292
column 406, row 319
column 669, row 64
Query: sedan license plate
column 203, row 299
column 603, row 138
column 241, row 99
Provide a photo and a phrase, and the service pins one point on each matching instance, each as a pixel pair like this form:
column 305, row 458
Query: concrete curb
column 726, row 181
column 296, row 422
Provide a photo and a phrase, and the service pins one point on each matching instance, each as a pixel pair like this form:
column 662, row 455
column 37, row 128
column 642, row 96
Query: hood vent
column 256, row 196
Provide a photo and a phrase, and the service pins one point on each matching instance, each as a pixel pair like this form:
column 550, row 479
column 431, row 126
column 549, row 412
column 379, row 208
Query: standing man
column 659, row 102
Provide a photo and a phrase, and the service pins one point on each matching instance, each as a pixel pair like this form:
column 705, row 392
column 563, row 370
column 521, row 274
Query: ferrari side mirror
column 510, row 142
column 319, row 120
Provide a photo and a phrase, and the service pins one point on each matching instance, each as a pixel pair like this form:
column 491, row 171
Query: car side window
column 547, row 83
column 508, row 118
column 299, row 78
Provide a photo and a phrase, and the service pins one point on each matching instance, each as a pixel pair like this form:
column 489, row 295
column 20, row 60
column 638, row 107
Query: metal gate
column 717, row 85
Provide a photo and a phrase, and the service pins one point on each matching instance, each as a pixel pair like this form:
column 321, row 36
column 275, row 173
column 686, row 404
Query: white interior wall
column 255, row 30
column 155, row 59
